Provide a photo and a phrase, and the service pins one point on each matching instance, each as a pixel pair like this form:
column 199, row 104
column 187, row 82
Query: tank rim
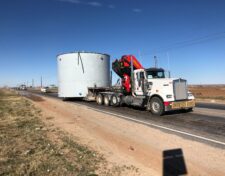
column 86, row 52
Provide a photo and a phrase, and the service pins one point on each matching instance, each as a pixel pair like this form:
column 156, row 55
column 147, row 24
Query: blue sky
column 188, row 33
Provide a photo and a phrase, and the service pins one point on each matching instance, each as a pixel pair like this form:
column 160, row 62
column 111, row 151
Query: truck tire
column 114, row 100
column 156, row 106
column 99, row 99
column 106, row 100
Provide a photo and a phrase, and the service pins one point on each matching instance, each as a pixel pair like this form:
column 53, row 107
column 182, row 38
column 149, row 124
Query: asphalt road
column 210, row 127
column 198, row 104
column 211, row 106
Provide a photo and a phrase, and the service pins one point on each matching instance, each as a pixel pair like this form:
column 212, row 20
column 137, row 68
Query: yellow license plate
column 183, row 104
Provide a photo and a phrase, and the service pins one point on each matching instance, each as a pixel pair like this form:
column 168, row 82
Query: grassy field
column 216, row 92
column 28, row 147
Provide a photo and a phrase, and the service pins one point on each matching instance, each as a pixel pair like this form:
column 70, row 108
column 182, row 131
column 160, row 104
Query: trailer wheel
column 114, row 100
column 99, row 99
column 156, row 106
column 106, row 100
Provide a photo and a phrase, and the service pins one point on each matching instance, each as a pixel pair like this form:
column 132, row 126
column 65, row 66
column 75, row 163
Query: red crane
column 122, row 68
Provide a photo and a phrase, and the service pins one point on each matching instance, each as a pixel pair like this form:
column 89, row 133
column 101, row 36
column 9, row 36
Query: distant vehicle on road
column 45, row 89
column 22, row 87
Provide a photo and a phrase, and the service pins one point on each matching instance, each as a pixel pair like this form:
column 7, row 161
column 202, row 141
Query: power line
column 207, row 38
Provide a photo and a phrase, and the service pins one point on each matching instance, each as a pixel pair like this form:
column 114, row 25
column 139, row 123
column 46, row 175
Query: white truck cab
column 164, row 94
column 150, row 89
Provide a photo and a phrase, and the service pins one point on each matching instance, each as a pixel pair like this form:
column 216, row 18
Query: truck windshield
column 155, row 74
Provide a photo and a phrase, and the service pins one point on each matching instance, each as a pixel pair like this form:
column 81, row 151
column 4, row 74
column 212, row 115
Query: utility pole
column 168, row 63
column 41, row 81
column 156, row 61
column 32, row 83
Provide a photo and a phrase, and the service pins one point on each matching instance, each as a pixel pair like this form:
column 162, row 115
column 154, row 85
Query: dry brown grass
column 26, row 148
column 29, row 147
column 208, row 92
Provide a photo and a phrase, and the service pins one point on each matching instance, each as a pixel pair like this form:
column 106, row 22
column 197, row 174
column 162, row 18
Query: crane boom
column 122, row 68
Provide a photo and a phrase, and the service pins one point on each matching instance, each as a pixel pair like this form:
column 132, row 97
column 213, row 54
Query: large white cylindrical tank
column 80, row 70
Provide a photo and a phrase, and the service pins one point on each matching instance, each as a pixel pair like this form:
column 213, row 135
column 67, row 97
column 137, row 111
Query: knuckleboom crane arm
column 122, row 67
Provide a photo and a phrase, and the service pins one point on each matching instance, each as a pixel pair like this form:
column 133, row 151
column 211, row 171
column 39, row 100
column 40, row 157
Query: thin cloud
column 97, row 4
column 71, row 1
column 94, row 4
column 137, row 10
column 91, row 3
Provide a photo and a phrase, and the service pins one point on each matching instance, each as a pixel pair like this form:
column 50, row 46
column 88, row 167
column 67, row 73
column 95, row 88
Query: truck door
column 139, row 80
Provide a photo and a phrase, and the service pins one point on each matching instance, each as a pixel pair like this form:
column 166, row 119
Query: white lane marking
column 162, row 127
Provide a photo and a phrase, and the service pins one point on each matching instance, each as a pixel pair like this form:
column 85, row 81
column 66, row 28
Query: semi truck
column 146, row 88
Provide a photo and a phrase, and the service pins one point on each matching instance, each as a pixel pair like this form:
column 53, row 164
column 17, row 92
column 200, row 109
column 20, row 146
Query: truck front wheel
column 156, row 106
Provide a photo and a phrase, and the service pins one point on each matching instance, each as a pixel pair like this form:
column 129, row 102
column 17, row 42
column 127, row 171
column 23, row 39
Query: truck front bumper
column 176, row 105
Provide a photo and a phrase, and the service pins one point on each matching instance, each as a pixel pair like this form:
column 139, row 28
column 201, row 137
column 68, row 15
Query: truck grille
column 180, row 89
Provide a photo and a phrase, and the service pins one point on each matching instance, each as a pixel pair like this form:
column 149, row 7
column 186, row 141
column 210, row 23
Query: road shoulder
column 136, row 145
